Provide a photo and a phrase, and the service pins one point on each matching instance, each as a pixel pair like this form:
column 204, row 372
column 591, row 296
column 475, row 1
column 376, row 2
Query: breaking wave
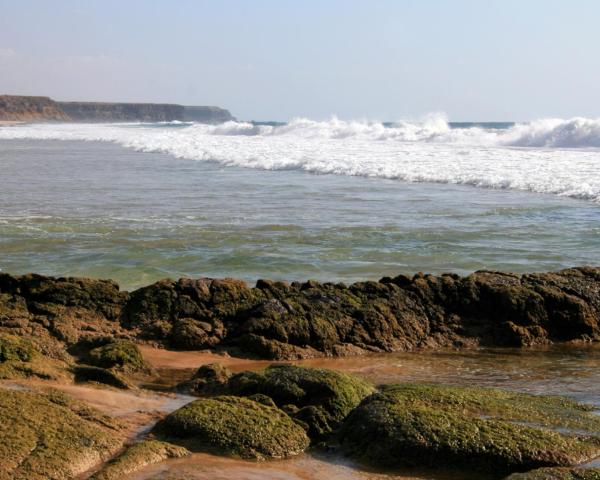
column 554, row 156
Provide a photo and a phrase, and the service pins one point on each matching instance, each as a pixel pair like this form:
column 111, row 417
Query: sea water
column 330, row 200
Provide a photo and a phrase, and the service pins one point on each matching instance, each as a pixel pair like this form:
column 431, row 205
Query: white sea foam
column 555, row 156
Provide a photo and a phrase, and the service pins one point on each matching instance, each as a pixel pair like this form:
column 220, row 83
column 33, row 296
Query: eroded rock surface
column 276, row 320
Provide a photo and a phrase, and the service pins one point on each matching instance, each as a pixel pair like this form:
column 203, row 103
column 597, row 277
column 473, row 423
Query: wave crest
column 546, row 156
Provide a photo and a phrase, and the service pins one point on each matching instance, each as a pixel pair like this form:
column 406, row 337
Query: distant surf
column 555, row 156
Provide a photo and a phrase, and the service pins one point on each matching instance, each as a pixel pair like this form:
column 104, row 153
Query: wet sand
column 304, row 467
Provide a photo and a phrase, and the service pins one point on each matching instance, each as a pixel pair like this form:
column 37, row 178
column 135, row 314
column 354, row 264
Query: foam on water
column 554, row 156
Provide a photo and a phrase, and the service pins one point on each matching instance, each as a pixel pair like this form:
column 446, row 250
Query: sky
column 275, row 60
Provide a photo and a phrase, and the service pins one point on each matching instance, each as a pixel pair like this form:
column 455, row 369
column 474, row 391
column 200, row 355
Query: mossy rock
column 322, row 397
column 20, row 359
column 209, row 379
column 234, row 426
column 16, row 349
column 138, row 456
column 558, row 474
column 121, row 354
column 476, row 428
column 51, row 436
column 89, row 373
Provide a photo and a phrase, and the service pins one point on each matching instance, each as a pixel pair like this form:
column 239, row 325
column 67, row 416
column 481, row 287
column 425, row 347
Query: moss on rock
column 558, row 474
column 410, row 425
column 89, row 373
column 322, row 398
column 122, row 354
column 16, row 349
column 19, row 358
column 52, row 436
column 234, row 426
column 138, row 456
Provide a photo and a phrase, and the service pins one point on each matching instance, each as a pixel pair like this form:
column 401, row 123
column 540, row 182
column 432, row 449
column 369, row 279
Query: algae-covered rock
column 19, row 358
column 558, row 474
column 51, row 436
column 122, row 354
column 89, row 373
column 409, row 425
column 16, row 349
column 234, row 426
column 322, row 398
column 210, row 379
column 138, row 456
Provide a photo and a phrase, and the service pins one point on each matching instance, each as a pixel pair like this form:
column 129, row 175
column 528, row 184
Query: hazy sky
column 380, row 60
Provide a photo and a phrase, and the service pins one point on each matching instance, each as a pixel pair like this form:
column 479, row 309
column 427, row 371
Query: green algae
column 234, row 426
column 138, row 456
column 16, row 349
column 322, row 398
column 121, row 354
column 52, row 436
column 89, row 373
column 478, row 428
column 20, row 359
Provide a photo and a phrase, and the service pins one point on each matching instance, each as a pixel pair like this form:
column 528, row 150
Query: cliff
column 30, row 109
column 121, row 112
column 44, row 109
column 206, row 115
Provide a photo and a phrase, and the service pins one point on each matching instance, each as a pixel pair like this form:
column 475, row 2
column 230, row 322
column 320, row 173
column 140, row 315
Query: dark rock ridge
column 277, row 320
column 35, row 109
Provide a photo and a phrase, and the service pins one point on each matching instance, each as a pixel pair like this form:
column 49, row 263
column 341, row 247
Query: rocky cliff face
column 121, row 112
column 44, row 109
column 206, row 115
column 277, row 320
column 30, row 109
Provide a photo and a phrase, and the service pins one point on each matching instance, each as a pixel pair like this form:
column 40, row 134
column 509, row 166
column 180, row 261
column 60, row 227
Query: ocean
column 329, row 200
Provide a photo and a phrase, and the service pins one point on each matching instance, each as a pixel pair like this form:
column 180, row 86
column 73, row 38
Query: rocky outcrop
column 277, row 320
column 103, row 112
column 206, row 115
column 44, row 109
column 30, row 109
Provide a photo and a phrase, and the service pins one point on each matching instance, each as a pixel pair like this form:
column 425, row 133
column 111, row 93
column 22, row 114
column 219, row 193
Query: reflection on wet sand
column 557, row 370
column 203, row 466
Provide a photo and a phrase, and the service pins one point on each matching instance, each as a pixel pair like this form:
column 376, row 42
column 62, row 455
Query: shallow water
column 557, row 370
column 97, row 209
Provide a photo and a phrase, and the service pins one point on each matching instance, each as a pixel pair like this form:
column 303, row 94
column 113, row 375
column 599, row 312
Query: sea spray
column 554, row 156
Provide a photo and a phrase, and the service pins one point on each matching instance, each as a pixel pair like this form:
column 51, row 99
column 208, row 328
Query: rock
column 121, row 354
column 234, row 426
column 209, row 379
column 281, row 321
column 16, row 349
column 146, row 452
column 52, row 436
column 19, row 358
column 558, row 474
column 89, row 373
column 29, row 109
column 322, row 398
column 474, row 428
